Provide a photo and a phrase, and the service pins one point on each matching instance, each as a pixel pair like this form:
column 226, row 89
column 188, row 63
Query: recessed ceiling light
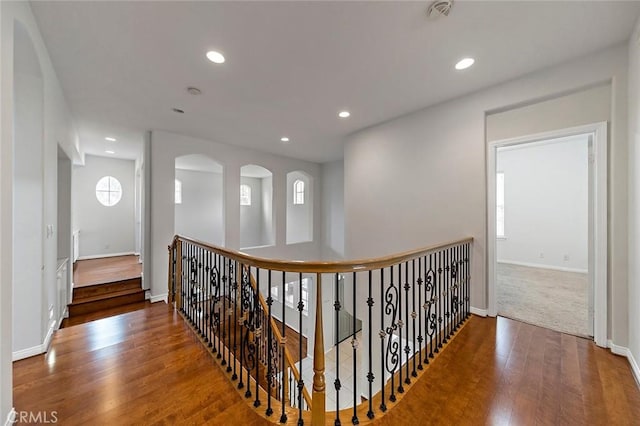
column 110, row 139
column 108, row 151
column 284, row 139
column 465, row 63
column 194, row 91
column 344, row 114
column 178, row 110
column 215, row 57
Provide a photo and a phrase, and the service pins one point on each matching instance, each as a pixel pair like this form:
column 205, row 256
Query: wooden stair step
column 105, row 301
column 104, row 288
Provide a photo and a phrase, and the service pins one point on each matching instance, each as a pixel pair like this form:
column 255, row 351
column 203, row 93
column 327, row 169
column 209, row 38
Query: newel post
column 318, row 397
column 178, row 276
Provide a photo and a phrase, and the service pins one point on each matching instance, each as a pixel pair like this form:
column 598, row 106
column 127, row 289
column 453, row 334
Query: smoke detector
column 439, row 8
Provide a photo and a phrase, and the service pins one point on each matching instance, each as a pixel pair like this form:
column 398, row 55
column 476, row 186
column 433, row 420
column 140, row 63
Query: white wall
column 28, row 208
column 333, row 210
column 251, row 217
column 299, row 216
column 634, row 197
column 200, row 214
column 546, row 204
column 165, row 147
column 104, row 230
column 421, row 179
column 58, row 129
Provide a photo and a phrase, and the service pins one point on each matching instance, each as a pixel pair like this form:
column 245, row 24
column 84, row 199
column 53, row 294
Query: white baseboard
column 11, row 417
column 159, row 298
column 35, row 350
column 625, row 352
column 98, row 256
column 48, row 337
column 541, row 266
column 479, row 312
column 27, row 353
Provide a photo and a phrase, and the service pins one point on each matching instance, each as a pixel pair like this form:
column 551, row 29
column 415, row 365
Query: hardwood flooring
column 106, row 269
column 147, row 367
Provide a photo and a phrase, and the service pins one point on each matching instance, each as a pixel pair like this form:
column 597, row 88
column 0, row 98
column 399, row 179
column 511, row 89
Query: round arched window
column 108, row 191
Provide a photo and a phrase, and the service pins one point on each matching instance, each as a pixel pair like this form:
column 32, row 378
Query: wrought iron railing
column 258, row 317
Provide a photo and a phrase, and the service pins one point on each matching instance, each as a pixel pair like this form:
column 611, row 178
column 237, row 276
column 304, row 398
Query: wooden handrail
column 340, row 266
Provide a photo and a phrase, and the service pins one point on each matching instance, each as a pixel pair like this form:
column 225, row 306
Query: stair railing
column 256, row 318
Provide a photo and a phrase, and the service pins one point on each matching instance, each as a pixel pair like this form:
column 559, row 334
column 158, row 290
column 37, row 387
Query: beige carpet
column 552, row 299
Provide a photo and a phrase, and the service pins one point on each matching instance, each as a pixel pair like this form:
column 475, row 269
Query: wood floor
column 106, row 269
column 147, row 367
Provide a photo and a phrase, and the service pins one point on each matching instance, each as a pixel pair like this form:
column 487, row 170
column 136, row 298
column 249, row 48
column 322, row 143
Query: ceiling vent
column 439, row 8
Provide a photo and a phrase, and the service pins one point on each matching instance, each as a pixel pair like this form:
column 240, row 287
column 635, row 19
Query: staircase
column 99, row 297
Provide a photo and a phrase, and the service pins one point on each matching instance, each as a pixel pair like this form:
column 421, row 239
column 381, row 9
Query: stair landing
column 106, row 284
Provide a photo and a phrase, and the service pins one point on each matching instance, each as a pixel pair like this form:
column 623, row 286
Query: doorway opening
column 547, row 229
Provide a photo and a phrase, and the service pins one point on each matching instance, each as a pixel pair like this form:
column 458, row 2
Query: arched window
column 298, row 192
column 108, row 191
column 178, row 196
column 245, row 195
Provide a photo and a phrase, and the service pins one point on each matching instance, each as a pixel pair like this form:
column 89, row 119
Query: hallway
column 147, row 367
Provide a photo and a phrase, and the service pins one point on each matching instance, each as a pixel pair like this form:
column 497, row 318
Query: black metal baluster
column 215, row 276
column 432, row 305
column 458, row 289
column 337, row 306
column 221, row 300
column 218, row 308
column 216, row 270
column 283, row 416
column 370, row 376
column 228, row 270
column 439, row 302
column 249, row 323
column 242, row 325
column 300, row 382
column 190, row 306
column 186, row 272
column 270, row 371
column 391, row 307
column 208, row 269
column 414, row 315
column 407, row 350
column 447, row 275
column 354, row 345
column 258, row 332
column 201, row 281
column 382, row 334
column 233, row 276
column 419, row 307
column 400, row 326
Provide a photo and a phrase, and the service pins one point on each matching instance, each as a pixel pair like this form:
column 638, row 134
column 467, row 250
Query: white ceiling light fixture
column 344, row 114
column 110, row 139
column 108, row 151
column 215, row 57
column 284, row 139
column 464, row 63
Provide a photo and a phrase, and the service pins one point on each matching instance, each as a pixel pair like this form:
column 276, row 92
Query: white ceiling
column 291, row 66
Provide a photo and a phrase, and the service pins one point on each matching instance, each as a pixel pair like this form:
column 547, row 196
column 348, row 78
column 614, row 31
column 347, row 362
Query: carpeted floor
column 552, row 299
